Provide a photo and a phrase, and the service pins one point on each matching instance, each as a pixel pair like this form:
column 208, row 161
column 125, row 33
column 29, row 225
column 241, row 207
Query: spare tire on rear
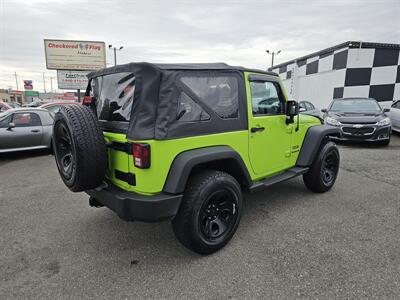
column 79, row 148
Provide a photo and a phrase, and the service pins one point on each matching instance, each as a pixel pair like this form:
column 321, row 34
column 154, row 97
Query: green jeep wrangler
column 184, row 141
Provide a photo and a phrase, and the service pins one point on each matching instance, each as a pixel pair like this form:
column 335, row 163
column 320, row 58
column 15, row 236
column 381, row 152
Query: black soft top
column 158, row 88
column 182, row 66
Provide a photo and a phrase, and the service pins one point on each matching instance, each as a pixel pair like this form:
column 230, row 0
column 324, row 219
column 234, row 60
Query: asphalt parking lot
column 290, row 243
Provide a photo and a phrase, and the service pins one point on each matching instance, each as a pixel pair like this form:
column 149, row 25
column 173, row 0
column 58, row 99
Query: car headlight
column 383, row 122
column 332, row 121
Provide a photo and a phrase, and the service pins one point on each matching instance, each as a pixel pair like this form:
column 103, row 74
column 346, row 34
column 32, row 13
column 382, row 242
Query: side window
column 302, row 104
column 189, row 111
column 219, row 93
column 26, row 120
column 5, row 122
column 266, row 98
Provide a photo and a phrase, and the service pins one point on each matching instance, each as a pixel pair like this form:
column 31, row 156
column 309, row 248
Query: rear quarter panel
column 152, row 180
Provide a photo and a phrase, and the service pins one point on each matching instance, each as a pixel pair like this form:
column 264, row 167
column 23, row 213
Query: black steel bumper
column 378, row 134
column 130, row 206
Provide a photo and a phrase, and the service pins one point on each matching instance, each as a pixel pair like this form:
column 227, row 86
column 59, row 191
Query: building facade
column 350, row 69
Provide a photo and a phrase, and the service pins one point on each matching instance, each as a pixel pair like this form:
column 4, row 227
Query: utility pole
column 44, row 83
column 115, row 52
column 16, row 79
column 51, row 83
column 273, row 53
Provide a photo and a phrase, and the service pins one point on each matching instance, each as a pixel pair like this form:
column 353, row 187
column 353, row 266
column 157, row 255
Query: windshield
column 356, row 106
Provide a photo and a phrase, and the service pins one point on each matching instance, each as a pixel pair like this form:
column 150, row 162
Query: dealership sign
column 28, row 84
column 72, row 80
column 74, row 55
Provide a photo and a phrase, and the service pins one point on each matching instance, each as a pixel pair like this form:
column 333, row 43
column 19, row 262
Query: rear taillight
column 141, row 155
column 87, row 100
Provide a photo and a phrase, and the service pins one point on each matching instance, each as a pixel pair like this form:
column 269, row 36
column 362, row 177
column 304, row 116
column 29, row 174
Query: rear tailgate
column 118, row 161
column 114, row 97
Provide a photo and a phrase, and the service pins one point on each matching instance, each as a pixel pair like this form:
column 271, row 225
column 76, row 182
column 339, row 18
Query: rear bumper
column 131, row 206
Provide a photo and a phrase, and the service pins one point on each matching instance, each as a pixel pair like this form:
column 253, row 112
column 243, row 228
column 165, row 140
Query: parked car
column 8, row 105
column 183, row 142
column 394, row 115
column 34, row 103
column 359, row 119
column 4, row 106
column 54, row 107
column 25, row 129
column 14, row 104
column 307, row 108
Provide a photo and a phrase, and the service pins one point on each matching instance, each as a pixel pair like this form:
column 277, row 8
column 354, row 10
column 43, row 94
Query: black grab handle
column 255, row 129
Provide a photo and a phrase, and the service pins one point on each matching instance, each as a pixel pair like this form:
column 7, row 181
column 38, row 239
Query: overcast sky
column 235, row 32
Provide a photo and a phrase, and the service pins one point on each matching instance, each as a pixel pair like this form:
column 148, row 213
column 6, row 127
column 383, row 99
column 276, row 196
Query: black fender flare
column 185, row 162
column 312, row 141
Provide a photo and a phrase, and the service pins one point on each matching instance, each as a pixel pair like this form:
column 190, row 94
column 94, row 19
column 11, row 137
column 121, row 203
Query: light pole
column 115, row 52
column 44, row 83
column 16, row 79
column 273, row 53
column 51, row 83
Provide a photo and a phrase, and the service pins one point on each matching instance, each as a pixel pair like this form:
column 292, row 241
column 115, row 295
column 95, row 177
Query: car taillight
column 141, row 155
column 87, row 100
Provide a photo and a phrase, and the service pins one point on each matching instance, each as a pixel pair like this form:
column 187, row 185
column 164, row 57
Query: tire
column 79, row 148
column 202, row 227
column 323, row 172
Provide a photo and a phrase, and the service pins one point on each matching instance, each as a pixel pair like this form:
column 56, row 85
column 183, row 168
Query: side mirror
column 292, row 109
column 324, row 110
column 386, row 109
column 11, row 126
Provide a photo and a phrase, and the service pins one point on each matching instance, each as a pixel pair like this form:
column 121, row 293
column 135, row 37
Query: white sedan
column 394, row 115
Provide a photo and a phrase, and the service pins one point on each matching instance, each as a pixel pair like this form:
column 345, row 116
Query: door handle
column 35, row 130
column 255, row 129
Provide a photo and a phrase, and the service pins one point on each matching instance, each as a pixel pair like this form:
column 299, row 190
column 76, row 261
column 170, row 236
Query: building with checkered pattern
column 350, row 69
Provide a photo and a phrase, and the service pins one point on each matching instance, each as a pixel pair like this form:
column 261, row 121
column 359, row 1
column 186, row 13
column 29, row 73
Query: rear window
column 114, row 96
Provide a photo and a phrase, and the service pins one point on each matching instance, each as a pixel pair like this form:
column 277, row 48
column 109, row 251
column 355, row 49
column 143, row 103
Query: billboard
column 72, row 80
column 74, row 55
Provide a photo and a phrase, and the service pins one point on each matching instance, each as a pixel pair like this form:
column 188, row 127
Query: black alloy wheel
column 330, row 166
column 64, row 150
column 323, row 172
column 218, row 214
column 210, row 212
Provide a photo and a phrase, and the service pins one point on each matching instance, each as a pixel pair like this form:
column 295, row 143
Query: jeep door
column 269, row 135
